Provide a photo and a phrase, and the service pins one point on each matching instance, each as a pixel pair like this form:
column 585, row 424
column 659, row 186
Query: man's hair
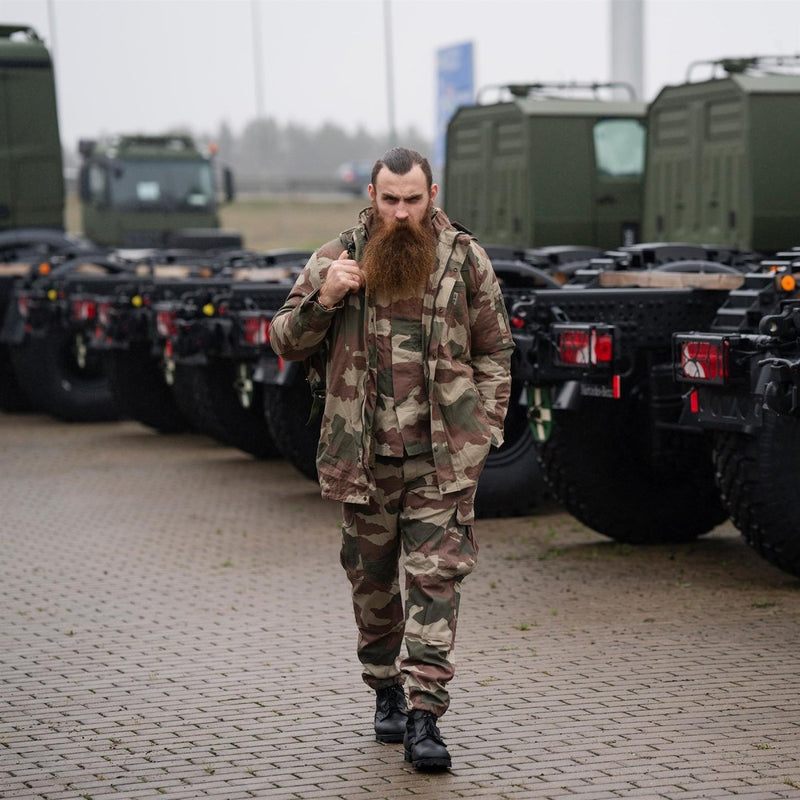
column 400, row 160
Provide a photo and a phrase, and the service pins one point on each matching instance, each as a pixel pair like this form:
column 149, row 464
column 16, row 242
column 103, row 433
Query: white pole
column 258, row 61
column 627, row 44
column 387, row 25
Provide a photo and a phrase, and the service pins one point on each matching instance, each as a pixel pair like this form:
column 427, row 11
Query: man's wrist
column 326, row 306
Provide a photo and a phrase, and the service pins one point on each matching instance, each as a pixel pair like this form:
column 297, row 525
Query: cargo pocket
column 459, row 550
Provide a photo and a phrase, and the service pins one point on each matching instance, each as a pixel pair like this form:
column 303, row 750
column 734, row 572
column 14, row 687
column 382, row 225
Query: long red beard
column 399, row 257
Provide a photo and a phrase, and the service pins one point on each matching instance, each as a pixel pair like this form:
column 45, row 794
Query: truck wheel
column 600, row 465
column 139, row 387
column 511, row 484
column 758, row 478
column 64, row 378
column 207, row 396
column 286, row 409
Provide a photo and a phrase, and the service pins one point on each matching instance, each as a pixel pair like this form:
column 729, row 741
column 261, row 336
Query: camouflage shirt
column 402, row 412
column 466, row 342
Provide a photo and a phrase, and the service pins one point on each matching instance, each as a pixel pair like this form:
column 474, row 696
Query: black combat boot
column 390, row 713
column 423, row 743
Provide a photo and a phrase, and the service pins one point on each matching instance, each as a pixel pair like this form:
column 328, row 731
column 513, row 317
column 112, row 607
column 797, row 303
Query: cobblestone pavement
column 174, row 623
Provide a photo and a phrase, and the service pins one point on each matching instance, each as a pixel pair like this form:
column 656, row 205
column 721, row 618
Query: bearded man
column 404, row 316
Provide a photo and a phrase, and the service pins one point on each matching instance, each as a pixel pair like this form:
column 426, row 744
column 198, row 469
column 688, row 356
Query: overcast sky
column 148, row 65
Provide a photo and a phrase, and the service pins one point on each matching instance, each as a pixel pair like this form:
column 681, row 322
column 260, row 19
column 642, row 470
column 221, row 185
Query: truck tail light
column 167, row 323
column 255, row 330
column 84, row 309
column 24, row 305
column 702, row 359
column 585, row 344
column 104, row 312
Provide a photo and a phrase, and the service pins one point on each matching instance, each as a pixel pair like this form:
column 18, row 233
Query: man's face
column 402, row 197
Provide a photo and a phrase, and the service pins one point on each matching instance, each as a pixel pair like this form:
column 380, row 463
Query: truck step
column 744, row 307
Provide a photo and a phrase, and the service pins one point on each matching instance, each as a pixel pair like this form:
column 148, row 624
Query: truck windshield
column 187, row 185
column 619, row 147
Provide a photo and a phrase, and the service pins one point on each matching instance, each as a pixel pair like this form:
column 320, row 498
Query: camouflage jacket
column 467, row 344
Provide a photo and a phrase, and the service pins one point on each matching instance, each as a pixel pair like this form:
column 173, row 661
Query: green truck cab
column 547, row 168
column 31, row 169
column 151, row 191
column 722, row 158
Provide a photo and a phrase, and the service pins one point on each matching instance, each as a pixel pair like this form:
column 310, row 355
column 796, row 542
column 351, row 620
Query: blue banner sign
column 455, row 82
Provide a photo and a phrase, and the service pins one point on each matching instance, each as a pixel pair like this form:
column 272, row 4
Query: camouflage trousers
column 434, row 533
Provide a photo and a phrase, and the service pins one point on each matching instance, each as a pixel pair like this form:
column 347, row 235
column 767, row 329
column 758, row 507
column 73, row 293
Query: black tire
column 12, row 398
column 207, row 396
column 51, row 374
column 286, row 409
column 137, row 382
column 600, row 465
column 759, row 479
column 511, row 484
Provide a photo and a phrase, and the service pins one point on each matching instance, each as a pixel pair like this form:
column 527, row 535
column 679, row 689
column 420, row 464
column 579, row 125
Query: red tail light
column 255, row 330
column 586, row 344
column 24, row 305
column 104, row 313
column 703, row 360
column 167, row 323
column 84, row 309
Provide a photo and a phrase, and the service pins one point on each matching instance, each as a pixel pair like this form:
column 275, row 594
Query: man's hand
column 343, row 276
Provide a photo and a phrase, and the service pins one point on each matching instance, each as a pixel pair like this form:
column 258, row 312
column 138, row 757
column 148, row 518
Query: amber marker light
column 44, row 268
column 788, row 283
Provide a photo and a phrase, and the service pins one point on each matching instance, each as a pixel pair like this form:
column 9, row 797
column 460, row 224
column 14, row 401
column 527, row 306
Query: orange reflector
column 44, row 268
column 788, row 283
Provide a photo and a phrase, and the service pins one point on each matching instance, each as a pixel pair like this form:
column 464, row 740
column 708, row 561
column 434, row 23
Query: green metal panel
column 695, row 189
column 722, row 163
column 775, row 169
column 485, row 172
column 31, row 169
column 562, row 164
column 525, row 173
column 141, row 189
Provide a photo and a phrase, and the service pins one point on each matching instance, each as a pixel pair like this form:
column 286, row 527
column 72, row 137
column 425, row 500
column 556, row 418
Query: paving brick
column 174, row 623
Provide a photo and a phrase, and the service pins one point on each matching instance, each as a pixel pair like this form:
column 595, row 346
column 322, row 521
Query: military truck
column 31, row 175
column 152, row 191
column 616, row 441
column 546, row 165
column 741, row 376
column 138, row 191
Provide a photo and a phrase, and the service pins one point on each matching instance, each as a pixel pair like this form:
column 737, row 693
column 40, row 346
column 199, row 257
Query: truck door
column 619, row 148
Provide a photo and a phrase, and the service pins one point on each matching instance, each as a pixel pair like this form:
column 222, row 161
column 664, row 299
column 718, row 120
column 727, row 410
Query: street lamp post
column 387, row 27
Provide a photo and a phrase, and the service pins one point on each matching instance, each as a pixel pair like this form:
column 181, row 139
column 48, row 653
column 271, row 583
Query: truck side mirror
column 228, row 184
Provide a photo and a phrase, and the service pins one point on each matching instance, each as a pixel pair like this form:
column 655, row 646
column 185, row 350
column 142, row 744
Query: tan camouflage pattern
column 435, row 533
column 402, row 411
column 466, row 347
